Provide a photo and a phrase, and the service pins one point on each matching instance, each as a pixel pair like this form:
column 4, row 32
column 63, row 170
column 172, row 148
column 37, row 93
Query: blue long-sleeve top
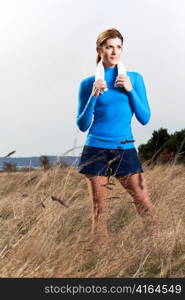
column 109, row 115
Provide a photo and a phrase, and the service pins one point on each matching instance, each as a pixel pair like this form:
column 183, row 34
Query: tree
column 176, row 144
column 163, row 147
column 9, row 167
column 61, row 163
column 155, row 145
column 44, row 162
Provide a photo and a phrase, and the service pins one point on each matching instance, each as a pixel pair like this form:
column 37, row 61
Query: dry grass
column 44, row 237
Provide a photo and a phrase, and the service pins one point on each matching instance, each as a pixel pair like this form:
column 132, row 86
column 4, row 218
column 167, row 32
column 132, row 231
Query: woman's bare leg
column 97, row 186
column 136, row 186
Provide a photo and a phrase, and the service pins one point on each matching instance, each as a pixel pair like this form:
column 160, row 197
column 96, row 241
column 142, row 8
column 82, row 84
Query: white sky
column 48, row 47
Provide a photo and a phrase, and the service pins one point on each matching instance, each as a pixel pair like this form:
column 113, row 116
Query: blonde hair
column 105, row 35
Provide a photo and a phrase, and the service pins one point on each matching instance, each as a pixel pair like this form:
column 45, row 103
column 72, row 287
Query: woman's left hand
column 123, row 81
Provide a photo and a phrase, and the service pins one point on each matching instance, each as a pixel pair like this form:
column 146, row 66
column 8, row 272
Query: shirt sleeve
column 86, row 104
column 139, row 101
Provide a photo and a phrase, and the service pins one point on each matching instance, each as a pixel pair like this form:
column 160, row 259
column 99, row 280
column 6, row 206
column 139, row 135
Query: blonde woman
column 106, row 107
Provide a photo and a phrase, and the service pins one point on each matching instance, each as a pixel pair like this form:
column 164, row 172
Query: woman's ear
column 98, row 49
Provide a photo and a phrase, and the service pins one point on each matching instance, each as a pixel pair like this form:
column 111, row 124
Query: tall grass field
column 45, row 225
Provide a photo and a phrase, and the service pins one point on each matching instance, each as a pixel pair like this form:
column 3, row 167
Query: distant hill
column 34, row 161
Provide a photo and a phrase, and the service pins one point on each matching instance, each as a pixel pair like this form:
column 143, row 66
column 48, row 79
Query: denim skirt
column 109, row 162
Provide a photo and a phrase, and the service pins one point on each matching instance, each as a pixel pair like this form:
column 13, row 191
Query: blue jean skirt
column 109, row 162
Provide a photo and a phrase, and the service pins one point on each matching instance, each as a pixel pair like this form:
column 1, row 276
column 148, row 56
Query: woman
column 109, row 148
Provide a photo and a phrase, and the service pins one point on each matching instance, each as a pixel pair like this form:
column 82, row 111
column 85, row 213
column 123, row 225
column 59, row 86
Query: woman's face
column 110, row 52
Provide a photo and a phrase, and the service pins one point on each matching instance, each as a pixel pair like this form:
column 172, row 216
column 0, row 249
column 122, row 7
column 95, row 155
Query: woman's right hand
column 98, row 87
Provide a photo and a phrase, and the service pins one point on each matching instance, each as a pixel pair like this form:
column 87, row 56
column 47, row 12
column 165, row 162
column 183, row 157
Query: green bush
column 161, row 143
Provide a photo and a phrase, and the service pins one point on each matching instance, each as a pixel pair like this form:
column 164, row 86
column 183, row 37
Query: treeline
column 44, row 164
column 163, row 147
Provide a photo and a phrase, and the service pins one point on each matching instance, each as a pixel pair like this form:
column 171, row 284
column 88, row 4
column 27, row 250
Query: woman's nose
column 113, row 51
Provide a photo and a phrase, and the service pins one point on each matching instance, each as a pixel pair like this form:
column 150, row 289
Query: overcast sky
column 48, row 47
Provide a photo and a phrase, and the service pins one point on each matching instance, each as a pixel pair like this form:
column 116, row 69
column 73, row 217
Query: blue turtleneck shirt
column 109, row 115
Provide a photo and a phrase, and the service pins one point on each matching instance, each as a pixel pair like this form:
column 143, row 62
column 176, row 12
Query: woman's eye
column 108, row 47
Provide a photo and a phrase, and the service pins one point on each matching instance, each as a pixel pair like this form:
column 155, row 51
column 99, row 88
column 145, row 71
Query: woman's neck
column 108, row 66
